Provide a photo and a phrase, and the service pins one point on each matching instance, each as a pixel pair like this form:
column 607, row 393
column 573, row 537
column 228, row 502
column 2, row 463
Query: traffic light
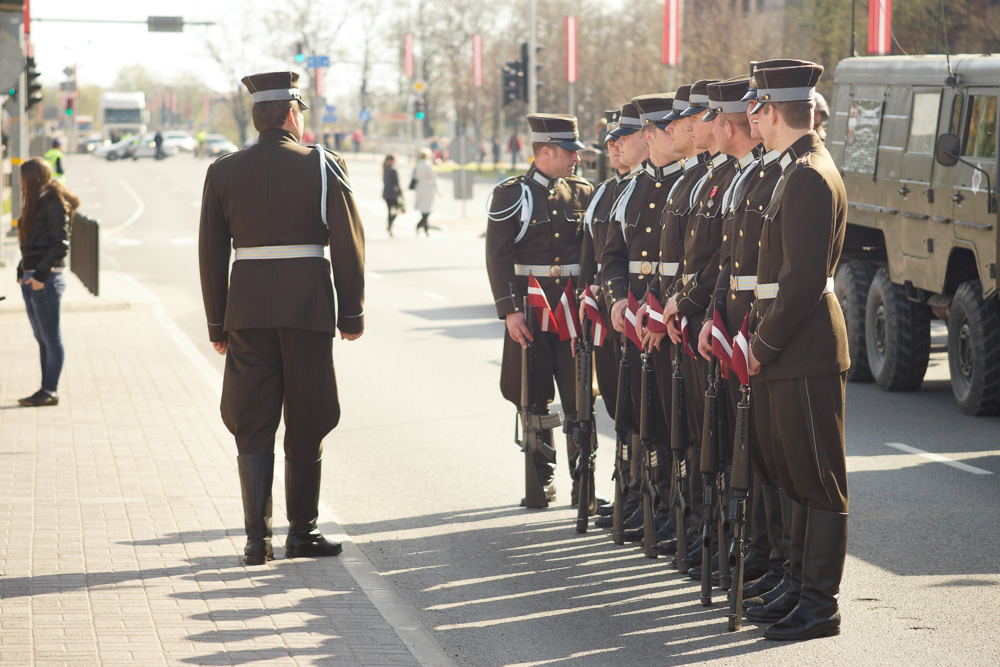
column 419, row 108
column 69, row 106
column 34, row 88
column 300, row 53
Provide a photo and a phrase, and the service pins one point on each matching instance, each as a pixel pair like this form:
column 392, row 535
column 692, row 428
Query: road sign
column 330, row 118
column 420, row 85
column 331, row 108
column 365, row 115
column 397, row 117
column 316, row 62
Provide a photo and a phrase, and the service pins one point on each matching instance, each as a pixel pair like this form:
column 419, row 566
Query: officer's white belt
column 770, row 290
column 642, row 268
column 742, row 283
column 669, row 268
column 547, row 270
column 279, row 252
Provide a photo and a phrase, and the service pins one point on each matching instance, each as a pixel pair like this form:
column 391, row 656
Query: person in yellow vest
column 201, row 138
column 54, row 156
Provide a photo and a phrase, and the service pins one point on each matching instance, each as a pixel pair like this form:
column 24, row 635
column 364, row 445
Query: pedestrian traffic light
column 34, row 91
column 300, row 53
column 69, row 106
column 419, row 108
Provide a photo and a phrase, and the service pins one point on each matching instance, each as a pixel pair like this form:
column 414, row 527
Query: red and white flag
column 741, row 352
column 879, row 27
column 656, row 324
column 537, row 300
column 722, row 346
column 632, row 306
column 567, row 313
column 593, row 314
column 571, row 49
column 672, row 32
column 686, row 338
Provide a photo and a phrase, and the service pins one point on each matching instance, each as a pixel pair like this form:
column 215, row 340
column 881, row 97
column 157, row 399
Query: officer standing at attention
column 536, row 228
column 800, row 350
column 278, row 204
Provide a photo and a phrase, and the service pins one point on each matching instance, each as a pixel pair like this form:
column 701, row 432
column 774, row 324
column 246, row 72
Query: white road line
column 938, row 458
column 140, row 208
column 432, row 295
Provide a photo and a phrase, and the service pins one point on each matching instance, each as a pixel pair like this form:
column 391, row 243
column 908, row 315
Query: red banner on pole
column 571, row 49
column 879, row 27
column 408, row 56
column 477, row 61
column 672, row 32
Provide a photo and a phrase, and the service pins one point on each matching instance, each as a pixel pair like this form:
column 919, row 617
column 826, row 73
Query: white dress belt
column 770, row 290
column 279, row 252
column 742, row 283
column 669, row 269
column 547, row 270
column 642, row 268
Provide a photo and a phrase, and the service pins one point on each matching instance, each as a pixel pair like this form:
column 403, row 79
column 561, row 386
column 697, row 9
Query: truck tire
column 852, row 281
column 897, row 335
column 974, row 350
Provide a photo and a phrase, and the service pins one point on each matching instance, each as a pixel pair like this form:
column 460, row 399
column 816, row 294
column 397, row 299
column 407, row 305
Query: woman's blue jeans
column 43, row 313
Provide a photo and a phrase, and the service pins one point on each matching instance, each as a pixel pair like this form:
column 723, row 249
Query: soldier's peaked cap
column 698, row 100
column 654, row 108
column 612, row 117
column 765, row 64
column 786, row 84
column 274, row 87
column 680, row 103
column 727, row 97
column 628, row 121
column 555, row 128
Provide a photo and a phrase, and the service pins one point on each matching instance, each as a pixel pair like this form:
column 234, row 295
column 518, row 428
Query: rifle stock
column 623, row 442
column 584, row 434
column 679, row 445
column 709, row 471
column 648, row 455
column 741, row 485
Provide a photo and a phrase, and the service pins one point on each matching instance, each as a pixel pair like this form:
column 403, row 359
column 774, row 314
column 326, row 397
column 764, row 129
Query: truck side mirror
column 946, row 150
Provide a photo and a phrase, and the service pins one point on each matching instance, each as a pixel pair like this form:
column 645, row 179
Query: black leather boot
column 302, row 500
column 771, row 507
column 817, row 613
column 256, row 475
column 780, row 607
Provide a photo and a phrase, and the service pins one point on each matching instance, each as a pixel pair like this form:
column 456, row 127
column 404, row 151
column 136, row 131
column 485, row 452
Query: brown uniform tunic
column 801, row 338
column 278, row 314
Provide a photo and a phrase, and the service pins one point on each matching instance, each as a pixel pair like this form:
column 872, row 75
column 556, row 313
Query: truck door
column 915, row 174
column 973, row 226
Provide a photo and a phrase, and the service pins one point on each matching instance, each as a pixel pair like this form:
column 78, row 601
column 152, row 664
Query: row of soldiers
column 713, row 245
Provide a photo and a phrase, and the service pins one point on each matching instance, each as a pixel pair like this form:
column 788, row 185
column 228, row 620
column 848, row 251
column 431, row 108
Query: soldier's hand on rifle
column 674, row 329
column 753, row 364
column 618, row 315
column 640, row 319
column 705, row 341
column 652, row 340
column 518, row 329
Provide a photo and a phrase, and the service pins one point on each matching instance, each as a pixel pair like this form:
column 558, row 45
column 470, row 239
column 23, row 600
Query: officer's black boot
column 780, row 607
column 771, row 506
column 256, row 474
column 817, row 613
column 302, row 500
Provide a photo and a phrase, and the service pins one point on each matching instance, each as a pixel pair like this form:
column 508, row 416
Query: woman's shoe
column 39, row 399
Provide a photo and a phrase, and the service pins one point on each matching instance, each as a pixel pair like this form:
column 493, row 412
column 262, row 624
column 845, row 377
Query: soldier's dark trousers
column 606, row 367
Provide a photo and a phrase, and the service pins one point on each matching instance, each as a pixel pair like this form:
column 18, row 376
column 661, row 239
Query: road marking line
column 139, row 210
column 432, row 295
column 938, row 458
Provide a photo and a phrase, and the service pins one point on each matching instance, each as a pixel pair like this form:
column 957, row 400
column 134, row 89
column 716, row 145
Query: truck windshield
column 123, row 115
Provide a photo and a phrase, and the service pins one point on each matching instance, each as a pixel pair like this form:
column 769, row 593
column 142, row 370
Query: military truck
column 915, row 138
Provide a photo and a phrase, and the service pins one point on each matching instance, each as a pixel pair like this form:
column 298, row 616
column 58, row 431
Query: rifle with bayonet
column 649, row 462
column 584, row 433
column 679, row 445
column 709, row 470
column 741, row 486
column 623, row 443
column 530, row 427
column 722, row 487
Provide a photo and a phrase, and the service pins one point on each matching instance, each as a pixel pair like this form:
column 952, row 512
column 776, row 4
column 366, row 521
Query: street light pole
column 532, row 57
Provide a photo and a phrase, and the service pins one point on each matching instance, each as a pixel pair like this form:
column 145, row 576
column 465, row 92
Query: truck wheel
column 851, row 289
column 897, row 335
column 974, row 350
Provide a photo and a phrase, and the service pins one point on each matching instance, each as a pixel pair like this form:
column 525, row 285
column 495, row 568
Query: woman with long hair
column 391, row 191
column 43, row 230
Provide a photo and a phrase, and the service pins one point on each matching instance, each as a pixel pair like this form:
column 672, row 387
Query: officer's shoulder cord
column 336, row 170
column 588, row 218
column 619, row 208
column 525, row 201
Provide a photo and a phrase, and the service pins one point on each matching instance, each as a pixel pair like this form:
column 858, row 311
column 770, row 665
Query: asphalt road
column 424, row 475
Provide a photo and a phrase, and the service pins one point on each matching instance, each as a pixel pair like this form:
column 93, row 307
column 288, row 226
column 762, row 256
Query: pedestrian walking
column 274, row 316
column 54, row 156
column 43, row 231
column 424, row 182
column 514, row 145
column 158, row 143
column 391, row 192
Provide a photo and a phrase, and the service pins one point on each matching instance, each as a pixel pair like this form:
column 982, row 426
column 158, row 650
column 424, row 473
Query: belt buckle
column 555, row 271
column 646, row 268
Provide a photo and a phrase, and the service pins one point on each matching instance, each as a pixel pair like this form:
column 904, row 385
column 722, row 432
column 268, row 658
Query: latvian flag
column 654, row 308
column 632, row 306
column 686, row 338
column 567, row 314
column 594, row 315
column 741, row 352
column 722, row 347
column 537, row 300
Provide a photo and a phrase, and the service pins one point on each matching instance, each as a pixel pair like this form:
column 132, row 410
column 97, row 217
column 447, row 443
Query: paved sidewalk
column 121, row 522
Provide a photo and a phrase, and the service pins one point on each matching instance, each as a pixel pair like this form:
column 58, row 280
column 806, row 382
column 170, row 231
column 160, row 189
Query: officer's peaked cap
column 555, row 128
column 274, row 87
column 654, row 108
column 698, row 99
column 727, row 97
column 786, row 84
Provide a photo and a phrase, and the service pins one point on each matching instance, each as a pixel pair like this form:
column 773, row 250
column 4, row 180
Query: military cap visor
column 727, row 97
column 558, row 129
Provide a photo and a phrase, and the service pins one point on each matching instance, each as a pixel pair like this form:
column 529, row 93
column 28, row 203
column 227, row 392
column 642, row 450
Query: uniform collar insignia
column 672, row 168
column 745, row 160
column 693, row 161
column 660, row 173
column 770, row 157
column 786, row 159
column 542, row 179
column 719, row 160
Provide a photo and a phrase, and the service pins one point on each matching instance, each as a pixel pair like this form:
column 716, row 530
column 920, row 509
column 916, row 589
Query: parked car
column 217, row 144
column 115, row 151
column 180, row 140
column 146, row 147
column 90, row 143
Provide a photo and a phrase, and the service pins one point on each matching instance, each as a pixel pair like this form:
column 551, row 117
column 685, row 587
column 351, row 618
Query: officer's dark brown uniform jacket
column 553, row 239
column 269, row 194
column 801, row 338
